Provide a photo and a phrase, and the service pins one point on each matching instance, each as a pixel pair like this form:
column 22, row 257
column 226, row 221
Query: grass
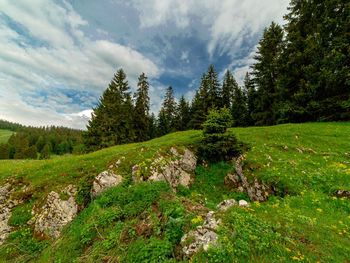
column 5, row 135
column 303, row 222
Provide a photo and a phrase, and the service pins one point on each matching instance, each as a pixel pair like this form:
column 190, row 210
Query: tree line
column 33, row 143
column 301, row 73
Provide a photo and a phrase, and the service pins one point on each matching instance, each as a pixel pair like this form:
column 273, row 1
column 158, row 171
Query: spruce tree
column 4, row 151
column 265, row 72
column 228, row 86
column 315, row 63
column 250, row 94
column 112, row 120
column 200, row 104
column 142, row 105
column 239, row 109
column 45, row 152
column 167, row 114
column 152, row 127
column 214, row 91
column 182, row 117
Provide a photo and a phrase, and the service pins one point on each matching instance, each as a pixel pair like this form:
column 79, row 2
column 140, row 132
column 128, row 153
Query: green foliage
column 243, row 237
column 21, row 214
column 152, row 250
column 209, row 188
column 112, row 119
column 305, row 163
column 167, row 113
column 45, row 152
column 217, row 144
column 4, row 135
column 141, row 114
column 21, row 242
column 4, row 151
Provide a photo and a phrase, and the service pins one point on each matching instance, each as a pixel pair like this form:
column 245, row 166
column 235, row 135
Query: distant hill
column 304, row 167
column 26, row 142
column 5, row 135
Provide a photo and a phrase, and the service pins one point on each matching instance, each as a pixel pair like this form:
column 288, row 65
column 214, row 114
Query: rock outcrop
column 105, row 180
column 342, row 193
column 203, row 236
column 5, row 211
column 257, row 191
column 176, row 169
column 226, row 204
column 55, row 213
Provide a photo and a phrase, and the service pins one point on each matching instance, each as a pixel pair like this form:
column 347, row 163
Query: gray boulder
column 55, row 213
column 105, row 180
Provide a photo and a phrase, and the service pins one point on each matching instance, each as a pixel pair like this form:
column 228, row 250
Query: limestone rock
column 175, row 172
column 203, row 236
column 188, row 161
column 5, row 212
column 342, row 193
column 105, row 180
column 226, row 204
column 256, row 190
column 56, row 213
column 136, row 173
column 243, row 203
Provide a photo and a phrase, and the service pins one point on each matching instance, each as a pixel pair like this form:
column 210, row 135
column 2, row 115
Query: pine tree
column 31, row 153
column 315, row 64
column 228, row 85
column 112, row 120
column 214, row 91
column 239, row 109
column 152, row 127
column 45, row 152
column 200, row 105
column 265, row 72
column 142, row 104
column 4, row 151
column 182, row 117
column 250, row 94
column 167, row 114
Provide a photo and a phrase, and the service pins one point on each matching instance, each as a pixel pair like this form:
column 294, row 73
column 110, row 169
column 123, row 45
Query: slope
column 303, row 221
column 4, row 135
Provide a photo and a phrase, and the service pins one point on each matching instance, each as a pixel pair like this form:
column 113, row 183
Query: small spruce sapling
column 217, row 143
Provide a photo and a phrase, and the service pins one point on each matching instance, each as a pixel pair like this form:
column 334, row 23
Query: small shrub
column 217, row 144
column 152, row 250
column 21, row 214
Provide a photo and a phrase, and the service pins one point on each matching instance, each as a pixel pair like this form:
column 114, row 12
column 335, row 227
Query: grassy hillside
column 4, row 135
column 303, row 221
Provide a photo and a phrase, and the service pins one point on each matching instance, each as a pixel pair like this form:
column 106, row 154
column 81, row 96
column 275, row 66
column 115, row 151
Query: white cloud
column 54, row 52
column 230, row 22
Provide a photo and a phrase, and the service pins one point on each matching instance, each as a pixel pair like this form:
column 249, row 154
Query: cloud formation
column 57, row 57
column 43, row 50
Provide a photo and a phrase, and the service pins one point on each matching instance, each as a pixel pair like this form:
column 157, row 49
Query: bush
column 218, row 144
column 151, row 250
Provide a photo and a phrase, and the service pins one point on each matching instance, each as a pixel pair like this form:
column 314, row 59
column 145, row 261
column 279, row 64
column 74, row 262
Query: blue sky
column 57, row 57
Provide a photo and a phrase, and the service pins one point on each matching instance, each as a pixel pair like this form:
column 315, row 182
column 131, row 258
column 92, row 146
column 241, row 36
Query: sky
column 57, row 57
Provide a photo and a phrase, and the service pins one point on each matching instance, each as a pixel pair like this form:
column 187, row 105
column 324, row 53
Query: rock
column 243, row 203
column 136, row 173
column 117, row 163
column 175, row 172
column 173, row 151
column 203, row 236
column 226, row 204
column 55, row 213
column 257, row 191
column 188, row 161
column 5, row 211
column 104, row 181
column 342, row 193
